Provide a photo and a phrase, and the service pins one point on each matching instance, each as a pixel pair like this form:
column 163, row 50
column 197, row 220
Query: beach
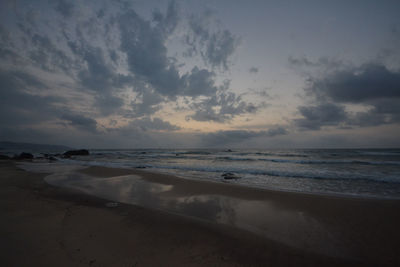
column 199, row 133
column 47, row 225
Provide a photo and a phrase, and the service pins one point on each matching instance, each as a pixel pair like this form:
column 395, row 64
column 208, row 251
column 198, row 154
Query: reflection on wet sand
column 264, row 217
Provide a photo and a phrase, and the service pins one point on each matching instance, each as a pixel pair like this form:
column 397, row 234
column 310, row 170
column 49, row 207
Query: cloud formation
column 80, row 122
column 234, row 137
column 253, row 70
column 65, row 8
column 215, row 46
column 221, row 107
column 157, row 124
column 357, row 85
column 371, row 85
column 323, row 114
column 19, row 106
column 106, row 62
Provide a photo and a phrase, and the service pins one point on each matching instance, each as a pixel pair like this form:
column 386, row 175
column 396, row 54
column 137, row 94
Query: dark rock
column 141, row 167
column 80, row 152
column 23, row 156
column 4, row 157
column 229, row 176
column 52, row 159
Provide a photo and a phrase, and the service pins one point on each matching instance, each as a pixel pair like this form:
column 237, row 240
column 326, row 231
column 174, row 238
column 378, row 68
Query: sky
column 200, row 74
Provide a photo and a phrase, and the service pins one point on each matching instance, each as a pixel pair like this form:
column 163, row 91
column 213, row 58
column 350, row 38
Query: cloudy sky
column 173, row 74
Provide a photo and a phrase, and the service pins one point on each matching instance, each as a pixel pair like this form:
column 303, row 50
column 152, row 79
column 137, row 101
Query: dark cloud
column 253, row 70
column 383, row 111
column 368, row 82
column 138, row 44
column 47, row 56
column 301, row 62
column 65, row 8
column 221, row 107
column 147, row 59
column 276, row 130
column 109, row 61
column 263, row 93
column 221, row 138
column 220, row 47
column 233, row 137
column 4, row 35
column 155, row 124
column 369, row 118
column 199, row 82
column 371, row 85
column 9, row 55
column 108, row 104
column 97, row 75
column 214, row 46
column 147, row 54
column 22, row 81
column 324, row 114
column 321, row 63
column 144, row 132
column 80, row 121
column 168, row 22
column 18, row 105
column 146, row 103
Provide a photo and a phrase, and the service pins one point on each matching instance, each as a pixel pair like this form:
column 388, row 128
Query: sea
column 354, row 173
column 350, row 172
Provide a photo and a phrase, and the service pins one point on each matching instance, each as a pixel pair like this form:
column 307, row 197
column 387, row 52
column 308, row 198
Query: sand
column 43, row 225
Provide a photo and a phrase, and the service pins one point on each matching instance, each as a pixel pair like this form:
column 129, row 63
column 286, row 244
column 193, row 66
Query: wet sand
column 44, row 225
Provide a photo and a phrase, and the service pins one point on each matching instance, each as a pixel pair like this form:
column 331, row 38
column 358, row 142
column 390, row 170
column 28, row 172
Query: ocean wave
column 304, row 157
column 281, row 154
column 277, row 160
column 235, row 159
column 359, row 162
column 288, row 174
column 200, row 152
column 379, row 153
column 209, row 157
column 320, row 175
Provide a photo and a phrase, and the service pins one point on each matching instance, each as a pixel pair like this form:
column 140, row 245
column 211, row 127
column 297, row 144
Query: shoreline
column 151, row 172
column 247, row 249
column 252, row 186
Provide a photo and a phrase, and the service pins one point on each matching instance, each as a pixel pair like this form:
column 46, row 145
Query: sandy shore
column 43, row 225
